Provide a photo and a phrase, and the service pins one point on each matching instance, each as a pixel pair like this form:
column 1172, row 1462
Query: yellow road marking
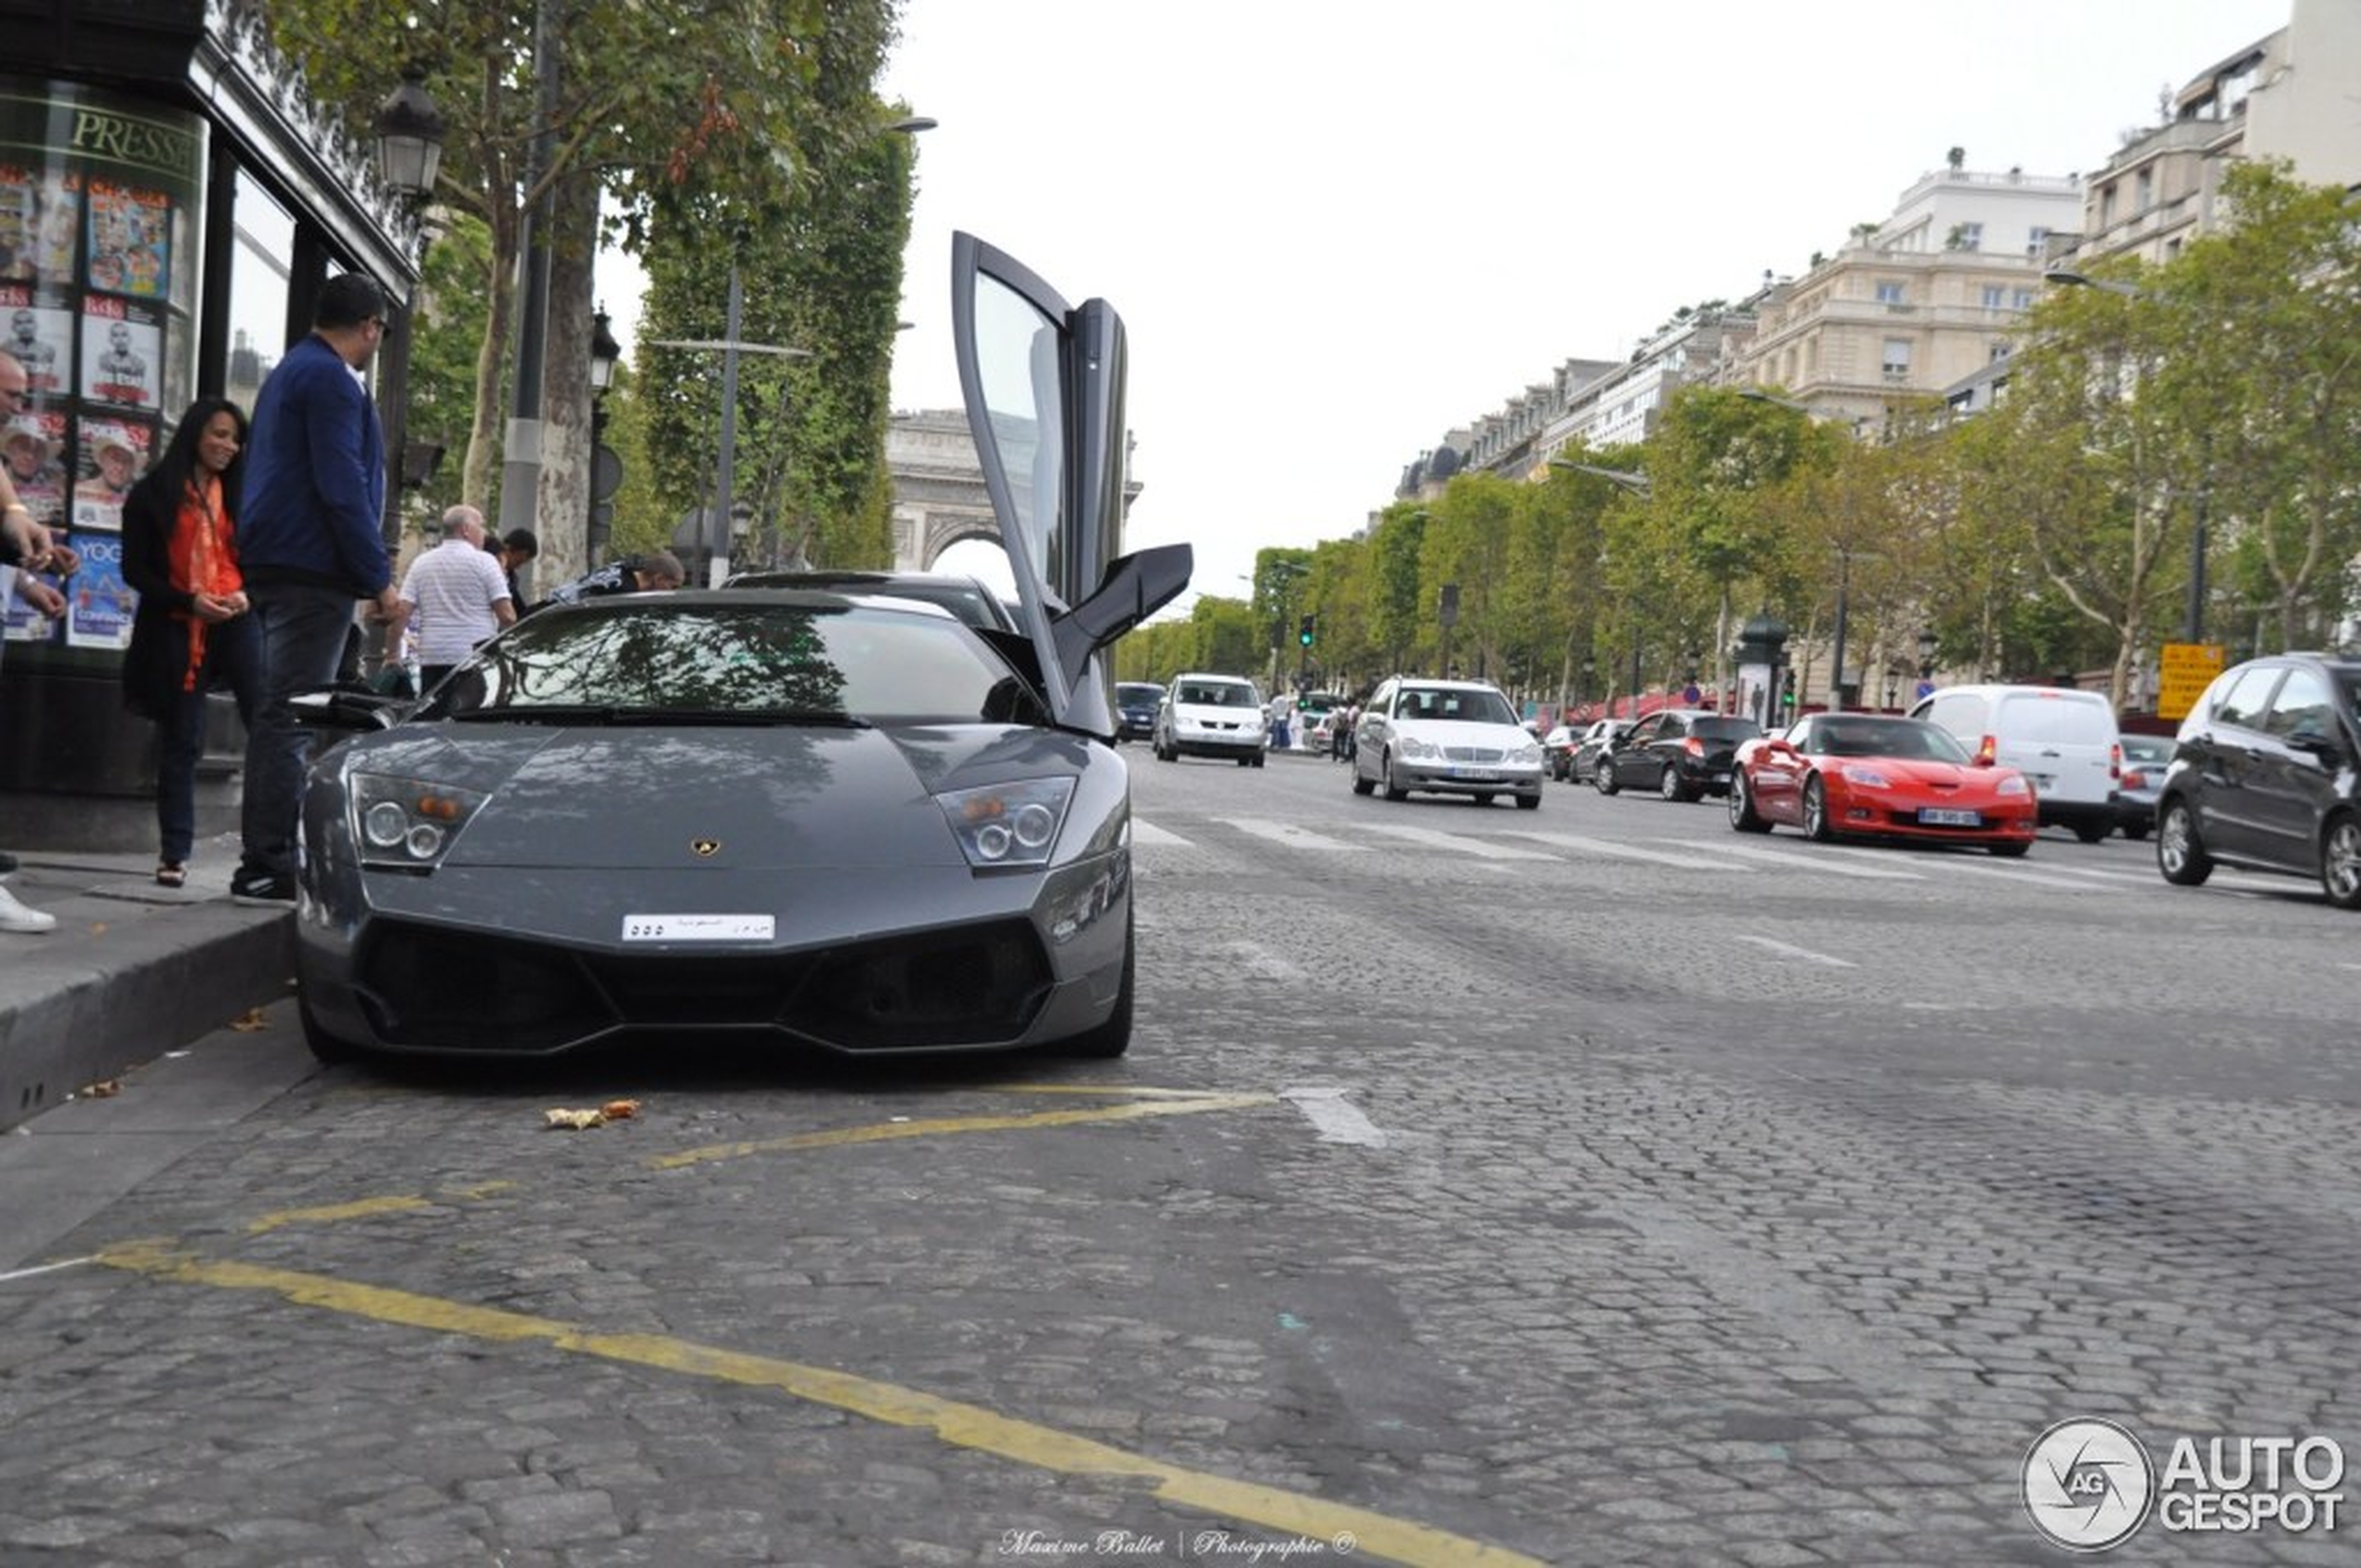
column 368, row 1208
column 880, row 1132
column 961, row 1425
column 1131, row 1090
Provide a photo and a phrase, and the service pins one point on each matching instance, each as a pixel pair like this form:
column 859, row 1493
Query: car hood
column 1925, row 771
column 1452, row 734
column 773, row 797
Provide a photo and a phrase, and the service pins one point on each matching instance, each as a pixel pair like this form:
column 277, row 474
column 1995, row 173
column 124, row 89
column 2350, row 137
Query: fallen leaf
column 105, row 1088
column 250, row 1021
column 619, row 1110
column 574, row 1120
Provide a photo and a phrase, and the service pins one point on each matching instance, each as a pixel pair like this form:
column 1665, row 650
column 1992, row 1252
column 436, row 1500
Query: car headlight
column 1868, row 778
column 1525, row 755
column 2012, row 784
column 1418, row 750
column 1007, row 824
column 407, row 824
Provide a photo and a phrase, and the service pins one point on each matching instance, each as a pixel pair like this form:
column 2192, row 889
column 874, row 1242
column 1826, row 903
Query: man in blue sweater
column 308, row 545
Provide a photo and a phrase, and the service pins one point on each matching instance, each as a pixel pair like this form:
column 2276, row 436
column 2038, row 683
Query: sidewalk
column 132, row 970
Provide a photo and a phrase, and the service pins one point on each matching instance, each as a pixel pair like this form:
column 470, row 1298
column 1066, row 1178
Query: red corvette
column 1847, row 774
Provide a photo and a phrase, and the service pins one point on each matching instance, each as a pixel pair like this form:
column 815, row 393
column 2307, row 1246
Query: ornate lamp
column 409, row 131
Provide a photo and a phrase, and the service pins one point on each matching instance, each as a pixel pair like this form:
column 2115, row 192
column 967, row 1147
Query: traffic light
column 1786, row 699
column 1305, row 628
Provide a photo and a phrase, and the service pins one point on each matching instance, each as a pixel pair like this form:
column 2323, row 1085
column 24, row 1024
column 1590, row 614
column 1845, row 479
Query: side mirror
column 351, row 709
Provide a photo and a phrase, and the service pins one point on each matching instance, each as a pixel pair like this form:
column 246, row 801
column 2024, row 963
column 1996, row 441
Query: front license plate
column 1479, row 775
column 696, row 927
column 1943, row 816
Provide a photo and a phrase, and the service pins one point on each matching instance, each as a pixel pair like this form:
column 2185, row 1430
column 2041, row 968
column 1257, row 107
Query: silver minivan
column 2064, row 742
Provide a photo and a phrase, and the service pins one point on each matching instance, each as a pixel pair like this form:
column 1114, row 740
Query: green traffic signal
column 1304, row 630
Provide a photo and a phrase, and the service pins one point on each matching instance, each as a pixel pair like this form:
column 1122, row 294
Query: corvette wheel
column 1815, row 812
column 2180, row 853
column 1744, row 818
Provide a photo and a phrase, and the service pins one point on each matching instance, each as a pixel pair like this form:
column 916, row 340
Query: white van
column 1211, row 716
column 2064, row 742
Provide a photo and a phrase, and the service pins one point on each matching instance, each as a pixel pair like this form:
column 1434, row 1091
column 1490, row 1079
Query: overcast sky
column 1338, row 230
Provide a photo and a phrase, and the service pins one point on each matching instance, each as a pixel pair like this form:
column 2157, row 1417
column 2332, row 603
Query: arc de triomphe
column 937, row 487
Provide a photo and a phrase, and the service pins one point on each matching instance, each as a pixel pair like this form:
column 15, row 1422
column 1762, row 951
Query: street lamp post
column 713, row 539
column 606, row 468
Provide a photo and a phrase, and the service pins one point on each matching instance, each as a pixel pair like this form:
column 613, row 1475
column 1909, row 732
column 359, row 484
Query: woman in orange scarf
column 190, row 633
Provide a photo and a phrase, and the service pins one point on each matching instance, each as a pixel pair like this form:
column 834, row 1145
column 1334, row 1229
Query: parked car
column 1557, row 750
column 1582, row 763
column 967, row 598
column 1448, row 737
column 2266, row 773
column 1313, row 712
column 2064, row 742
column 1875, row 776
column 2144, row 761
column 1679, row 753
column 829, row 820
column 1211, row 716
column 1135, row 709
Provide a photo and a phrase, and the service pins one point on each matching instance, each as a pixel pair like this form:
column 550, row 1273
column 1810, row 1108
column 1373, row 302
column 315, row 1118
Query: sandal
column 171, row 875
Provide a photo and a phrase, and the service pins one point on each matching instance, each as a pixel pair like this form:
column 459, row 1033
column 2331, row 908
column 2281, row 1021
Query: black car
column 1135, row 709
column 1679, row 753
column 1582, row 762
column 2266, row 774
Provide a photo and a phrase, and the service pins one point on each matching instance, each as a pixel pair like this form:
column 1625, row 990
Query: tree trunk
column 561, row 507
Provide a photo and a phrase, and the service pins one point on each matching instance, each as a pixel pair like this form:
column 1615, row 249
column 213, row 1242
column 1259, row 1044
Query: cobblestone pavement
column 1483, row 1187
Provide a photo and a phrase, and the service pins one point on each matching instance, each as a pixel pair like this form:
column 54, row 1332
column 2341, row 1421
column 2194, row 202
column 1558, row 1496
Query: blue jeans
column 301, row 632
column 232, row 663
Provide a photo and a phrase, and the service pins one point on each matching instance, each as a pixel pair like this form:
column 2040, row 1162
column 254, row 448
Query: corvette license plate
column 1943, row 816
column 696, row 927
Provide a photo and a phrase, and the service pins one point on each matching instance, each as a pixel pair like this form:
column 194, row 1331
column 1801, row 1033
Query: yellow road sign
column 2183, row 673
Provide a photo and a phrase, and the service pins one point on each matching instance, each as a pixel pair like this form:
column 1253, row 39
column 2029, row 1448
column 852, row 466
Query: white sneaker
column 15, row 917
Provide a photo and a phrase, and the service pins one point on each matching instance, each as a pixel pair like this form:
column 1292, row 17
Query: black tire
column 2181, row 857
column 1816, row 811
column 1744, row 818
column 1529, row 802
column 1603, row 777
column 1484, row 799
column 1258, row 760
column 1392, row 791
column 2340, row 861
column 2136, row 831
column 330, row 1049
column 2091, row 832
column 1672, row 786
column 2010, row 852
column 1246, row 761
column 1360, row 784
column 1113, row 1037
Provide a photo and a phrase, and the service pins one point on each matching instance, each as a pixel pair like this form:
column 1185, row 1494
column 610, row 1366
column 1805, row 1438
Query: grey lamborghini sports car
column 847, row 822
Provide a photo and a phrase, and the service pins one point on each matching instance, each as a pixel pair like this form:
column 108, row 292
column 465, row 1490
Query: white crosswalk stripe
column 1147, row 833
column 1800, row 860
column 1458, row 842
column 1581, row 844
column 1294, row 837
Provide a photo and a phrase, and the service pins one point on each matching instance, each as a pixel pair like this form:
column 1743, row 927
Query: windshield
column 1910, row 739
column 1132, row 693
column 1454, row 706
column 675, row 656
column 1216, row 693
column 1725, row 729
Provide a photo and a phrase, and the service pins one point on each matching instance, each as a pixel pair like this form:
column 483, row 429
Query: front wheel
column 1815, row 812
column 2341, row 862
column 1113, row 1037
column 2180, row 853
column 1528, row 802
column 1360, row 784
column 1744, row 818
column 1394, row 791
column 2013, row 850
column 330, row 1049
column 1602, row 776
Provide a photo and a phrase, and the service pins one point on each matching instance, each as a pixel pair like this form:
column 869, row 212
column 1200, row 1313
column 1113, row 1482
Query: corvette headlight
column 407, row 823
column 1418, row 750
column 1868, row 778
column 1009, row 823
column 2012, row 784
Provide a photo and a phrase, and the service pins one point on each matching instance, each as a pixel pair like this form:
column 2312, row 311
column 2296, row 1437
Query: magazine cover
column 33, row 444
column 130, row 240
column 99, row 603
column 113, row 455
column 22, row 622
column 122, row 345
column 37, row 326
column 40, row 220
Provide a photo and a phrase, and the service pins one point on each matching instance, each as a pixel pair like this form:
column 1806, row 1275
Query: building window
column 2107, row 205
column 1999, row 351
column 1894, row 362
column 2145, row 187
column 2036, row 240
column 1994, row 296
column 1889, row 292
column 1971, row 236
column 2023, row 299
